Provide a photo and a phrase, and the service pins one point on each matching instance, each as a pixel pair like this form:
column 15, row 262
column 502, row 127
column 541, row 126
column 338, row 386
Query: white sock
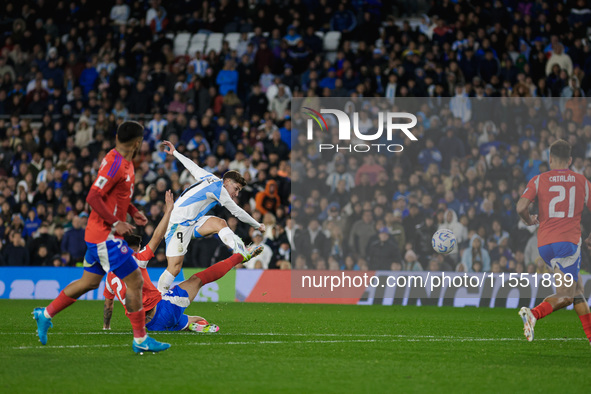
column 165, row 281
column 46, row 314
column 140, row 340
column 228, row 237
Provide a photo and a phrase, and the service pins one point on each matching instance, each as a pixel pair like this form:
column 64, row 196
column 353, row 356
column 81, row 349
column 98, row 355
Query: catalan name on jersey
column 115, row 287
column 114, row 182
column 562, row 196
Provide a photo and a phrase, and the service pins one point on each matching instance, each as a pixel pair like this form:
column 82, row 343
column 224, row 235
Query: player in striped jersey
column 189, row 220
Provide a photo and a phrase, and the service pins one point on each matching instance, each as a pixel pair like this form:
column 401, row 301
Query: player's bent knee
column 216, row 224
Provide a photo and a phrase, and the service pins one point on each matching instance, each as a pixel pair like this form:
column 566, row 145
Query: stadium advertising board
column 398, row 288
column 321, row 287
column 45, row 283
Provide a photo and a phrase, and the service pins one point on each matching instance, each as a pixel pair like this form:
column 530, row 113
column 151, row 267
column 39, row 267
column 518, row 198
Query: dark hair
column 560, row 149
column 236, row 177
column 129, row 131
column 133, row 240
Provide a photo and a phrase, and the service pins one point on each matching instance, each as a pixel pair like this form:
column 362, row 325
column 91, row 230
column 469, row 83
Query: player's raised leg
column 215, row 225
column 177, row 242
column 211, row 274
column 216, row 271
column 67, row 297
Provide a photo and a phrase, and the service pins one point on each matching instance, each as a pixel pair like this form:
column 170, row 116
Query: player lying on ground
column 188, row 218
column 110, row 200
column 165, row 312
column 562, row 195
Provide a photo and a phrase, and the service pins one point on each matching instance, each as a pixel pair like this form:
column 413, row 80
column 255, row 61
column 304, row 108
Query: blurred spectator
column 268, row 200
column 361, row 232
column 227, row 78
column 430, row 155
column 424, row 231
column 119, row 13
column 32, row 224
column 343, row 20
column 73, row 241
column 279, row 103
column 44, row 240
column 14, row 251
column 383, row 251
column 476, row 253
column 411, row 262
column 292, row 38
column 84, row 132
column 561, row 59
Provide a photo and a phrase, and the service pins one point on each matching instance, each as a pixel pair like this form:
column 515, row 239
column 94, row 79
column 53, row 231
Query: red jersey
column 114, row 182
column 116, row 287
column 561, row 194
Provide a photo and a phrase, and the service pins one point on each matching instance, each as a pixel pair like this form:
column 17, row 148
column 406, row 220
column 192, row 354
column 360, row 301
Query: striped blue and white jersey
column 202, row 196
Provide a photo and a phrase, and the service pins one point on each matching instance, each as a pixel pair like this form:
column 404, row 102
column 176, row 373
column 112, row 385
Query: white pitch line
column 63, row 347
column 422, row 337
column 199, row 344
column 227, row 334
column 401, row 339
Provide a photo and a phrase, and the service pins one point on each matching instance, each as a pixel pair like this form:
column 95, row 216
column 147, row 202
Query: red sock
column 586, row 320
column 542, row 310
column 138, row 323
column 59, row 304
column 220, row 269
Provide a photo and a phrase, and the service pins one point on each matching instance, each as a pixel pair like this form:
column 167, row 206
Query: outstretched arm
column 160, row 230
column 240, row 213
column 189, row 164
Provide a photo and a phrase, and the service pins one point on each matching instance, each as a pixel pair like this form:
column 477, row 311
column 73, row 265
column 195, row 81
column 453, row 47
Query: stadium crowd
column 70, row 72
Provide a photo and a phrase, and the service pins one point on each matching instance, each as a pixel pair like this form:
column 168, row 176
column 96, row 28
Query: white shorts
column 178, row 237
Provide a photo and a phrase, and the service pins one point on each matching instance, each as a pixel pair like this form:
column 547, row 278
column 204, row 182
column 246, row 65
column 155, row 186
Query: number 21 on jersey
column 562, row 195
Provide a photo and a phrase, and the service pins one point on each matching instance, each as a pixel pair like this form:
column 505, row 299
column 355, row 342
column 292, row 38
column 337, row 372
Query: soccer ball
column 444, row 241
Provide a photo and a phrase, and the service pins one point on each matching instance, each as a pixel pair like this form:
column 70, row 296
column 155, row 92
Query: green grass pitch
column 277, row 348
